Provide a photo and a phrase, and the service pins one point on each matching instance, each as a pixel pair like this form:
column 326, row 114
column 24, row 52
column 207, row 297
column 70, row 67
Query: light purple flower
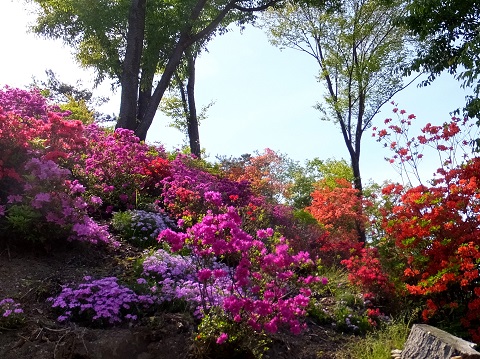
column 14, row 198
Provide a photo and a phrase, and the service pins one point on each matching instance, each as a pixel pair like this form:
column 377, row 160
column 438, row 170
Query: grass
column 380, row 343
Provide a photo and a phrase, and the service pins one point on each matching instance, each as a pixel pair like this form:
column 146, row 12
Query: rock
column 396, row 353
column 427, row 342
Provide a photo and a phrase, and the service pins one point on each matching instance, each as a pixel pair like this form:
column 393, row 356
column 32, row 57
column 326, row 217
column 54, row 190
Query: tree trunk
column 162, row 86
column 185, row 40
column 131, row 65
column 355, row 161
column 193, row 133
column 145, row 91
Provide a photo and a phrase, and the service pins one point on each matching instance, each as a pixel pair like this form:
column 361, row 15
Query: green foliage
column 25, row 221
column 97, row 36
column 449, row 41
column 78, row 110
column 242, row 341
column 339, row 304
column 359, row 51
column 330, row 170
column 173, row 107
column 378, row 344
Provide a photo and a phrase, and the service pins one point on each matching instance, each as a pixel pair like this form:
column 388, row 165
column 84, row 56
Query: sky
column 263, row 97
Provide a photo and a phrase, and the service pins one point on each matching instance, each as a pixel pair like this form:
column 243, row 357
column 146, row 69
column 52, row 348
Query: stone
column 396, row 353
column 428, row 342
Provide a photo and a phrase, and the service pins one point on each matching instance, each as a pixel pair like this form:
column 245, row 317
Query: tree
column 180, row 105
column 305, row 178
column 74, row 98
column 358, row 49
column 449, row 41
column 133, row 41
column 268, row 173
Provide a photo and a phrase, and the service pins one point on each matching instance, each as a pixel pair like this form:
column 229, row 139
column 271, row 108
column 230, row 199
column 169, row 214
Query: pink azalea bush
column 113, row 167
column 268, row 290
column 39, row 198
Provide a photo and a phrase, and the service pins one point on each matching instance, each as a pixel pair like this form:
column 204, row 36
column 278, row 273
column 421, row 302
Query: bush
column 101, row 302
column 141, row 227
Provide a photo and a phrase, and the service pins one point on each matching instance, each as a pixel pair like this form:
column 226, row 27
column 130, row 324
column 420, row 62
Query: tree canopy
column 139, row 44
column 450, row 41
column 359, row 50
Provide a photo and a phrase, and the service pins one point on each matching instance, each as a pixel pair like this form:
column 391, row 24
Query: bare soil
column 30, row 276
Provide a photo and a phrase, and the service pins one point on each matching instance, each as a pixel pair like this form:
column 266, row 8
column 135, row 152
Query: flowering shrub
column 263, row 172
column 434, row 229
column 113, row 167
column 39, row 199
column 156, row 171
column 437, row 231
column 450, row 141
column 141, row 227
column 183, row 192
column 51, row 207
column 367, row 272
column 11, row 314
column 182, row 278
column 25, row 103
column 267, row 290
column 339, row 210
column 102, row 302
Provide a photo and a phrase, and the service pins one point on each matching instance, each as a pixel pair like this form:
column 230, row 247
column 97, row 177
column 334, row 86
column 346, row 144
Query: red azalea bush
column 435, row 229
column 340, row 211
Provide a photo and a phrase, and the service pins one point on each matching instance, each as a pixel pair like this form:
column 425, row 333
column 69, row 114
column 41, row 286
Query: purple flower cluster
column 186, row 278
column 9, row 308
column 24, row 103
column 101, row 301
column 141, row 227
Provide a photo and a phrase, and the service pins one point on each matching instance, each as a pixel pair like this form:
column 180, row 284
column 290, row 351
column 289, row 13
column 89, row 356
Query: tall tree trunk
column 131, row 65
column 162, row 86
column 193, row 133
column 185, row 40
column 145, row 90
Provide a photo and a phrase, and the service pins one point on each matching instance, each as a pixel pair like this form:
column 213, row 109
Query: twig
column 57, row 343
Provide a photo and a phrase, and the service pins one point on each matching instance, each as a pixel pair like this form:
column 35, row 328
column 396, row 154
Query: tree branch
column 255, row 8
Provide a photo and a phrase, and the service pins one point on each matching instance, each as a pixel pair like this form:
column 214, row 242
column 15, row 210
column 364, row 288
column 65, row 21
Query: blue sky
column 263, row 97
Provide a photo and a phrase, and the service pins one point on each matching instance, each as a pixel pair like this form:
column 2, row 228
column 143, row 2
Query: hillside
column 33, row 276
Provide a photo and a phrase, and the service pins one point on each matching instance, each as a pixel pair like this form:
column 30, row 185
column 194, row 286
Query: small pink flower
column 222, row 338
column 204, row 274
